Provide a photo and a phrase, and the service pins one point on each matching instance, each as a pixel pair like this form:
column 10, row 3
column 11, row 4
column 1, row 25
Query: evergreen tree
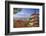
column 16, row 10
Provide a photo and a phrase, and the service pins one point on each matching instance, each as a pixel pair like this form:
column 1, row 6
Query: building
column 34, row 22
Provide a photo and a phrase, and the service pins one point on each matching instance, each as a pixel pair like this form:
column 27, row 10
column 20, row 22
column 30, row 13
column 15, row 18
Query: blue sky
column 26, row 12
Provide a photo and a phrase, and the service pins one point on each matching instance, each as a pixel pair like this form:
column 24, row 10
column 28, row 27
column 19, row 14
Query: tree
column 16, row 10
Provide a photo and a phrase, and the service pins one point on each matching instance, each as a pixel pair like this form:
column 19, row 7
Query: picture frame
column 16, row 4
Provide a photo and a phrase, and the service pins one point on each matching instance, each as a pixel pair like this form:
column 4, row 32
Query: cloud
column 25, row 13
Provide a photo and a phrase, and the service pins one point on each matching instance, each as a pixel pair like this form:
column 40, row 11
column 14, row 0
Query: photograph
column 25, row 17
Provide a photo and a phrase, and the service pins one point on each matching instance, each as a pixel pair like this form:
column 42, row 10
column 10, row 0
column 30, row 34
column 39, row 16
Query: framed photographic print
column 24, row 17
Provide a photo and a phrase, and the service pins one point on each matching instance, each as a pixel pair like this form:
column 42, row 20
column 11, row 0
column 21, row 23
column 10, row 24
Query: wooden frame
column 7, row 17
